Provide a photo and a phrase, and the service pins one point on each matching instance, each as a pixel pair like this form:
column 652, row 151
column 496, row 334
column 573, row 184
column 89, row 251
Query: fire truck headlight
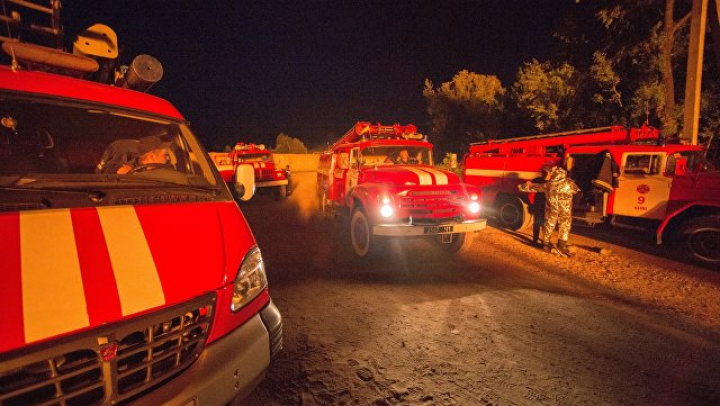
column 386, row 210
column 473, row 196
column 250, row 280
column 474, row 207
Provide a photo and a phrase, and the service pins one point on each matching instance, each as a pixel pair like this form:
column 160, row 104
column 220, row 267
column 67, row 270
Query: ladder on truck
column 591, row 136
column 16, row 23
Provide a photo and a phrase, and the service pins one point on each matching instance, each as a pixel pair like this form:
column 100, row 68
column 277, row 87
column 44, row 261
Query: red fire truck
column 668, row 188
column 129, row 275
column 267, row 175
column 382, row 179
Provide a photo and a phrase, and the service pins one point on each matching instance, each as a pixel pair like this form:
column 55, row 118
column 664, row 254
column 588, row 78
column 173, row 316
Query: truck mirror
column 344, row 160
column 244, row 182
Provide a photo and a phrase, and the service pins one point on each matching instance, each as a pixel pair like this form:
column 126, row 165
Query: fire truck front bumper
column 411, row 230
column 271, row 183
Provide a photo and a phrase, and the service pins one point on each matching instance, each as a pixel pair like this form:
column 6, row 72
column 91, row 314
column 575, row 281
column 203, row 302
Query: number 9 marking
column 641, row 200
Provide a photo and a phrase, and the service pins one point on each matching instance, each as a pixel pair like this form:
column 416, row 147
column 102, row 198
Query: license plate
column 438, row 229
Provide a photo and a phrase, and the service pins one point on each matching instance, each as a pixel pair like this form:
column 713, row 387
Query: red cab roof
column 68, row 87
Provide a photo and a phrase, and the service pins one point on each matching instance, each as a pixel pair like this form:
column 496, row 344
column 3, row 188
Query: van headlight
column 251, row 279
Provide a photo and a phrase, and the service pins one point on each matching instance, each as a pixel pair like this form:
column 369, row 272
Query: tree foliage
column 546, row 91
column 618, row 63
column 468, row 108
column 285, row 144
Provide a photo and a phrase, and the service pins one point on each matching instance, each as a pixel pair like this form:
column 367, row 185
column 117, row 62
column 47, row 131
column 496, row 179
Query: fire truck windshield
column 395, row 155
column 254, row 158
column 44, row 141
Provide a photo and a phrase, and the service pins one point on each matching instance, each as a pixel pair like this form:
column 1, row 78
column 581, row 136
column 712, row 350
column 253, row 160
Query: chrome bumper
column 271, row 183
column 409, row 230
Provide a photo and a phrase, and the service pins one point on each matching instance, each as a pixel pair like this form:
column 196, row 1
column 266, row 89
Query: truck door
column 353, row 170
column 643, row 189
column 338, row 176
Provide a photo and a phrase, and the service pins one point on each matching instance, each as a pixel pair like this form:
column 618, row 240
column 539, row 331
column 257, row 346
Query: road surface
column 503, row 324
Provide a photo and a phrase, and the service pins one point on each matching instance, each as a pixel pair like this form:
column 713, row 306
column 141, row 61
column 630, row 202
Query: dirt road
column 503, row 324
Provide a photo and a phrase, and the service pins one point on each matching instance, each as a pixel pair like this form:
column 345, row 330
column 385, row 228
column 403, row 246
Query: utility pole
column 694, row 70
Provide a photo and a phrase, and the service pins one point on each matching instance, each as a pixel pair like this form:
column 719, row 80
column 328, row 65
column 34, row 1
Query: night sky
column 246, row 71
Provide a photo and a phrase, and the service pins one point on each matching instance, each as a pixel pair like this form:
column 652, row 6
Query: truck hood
column 66, row 270
column 410, row 175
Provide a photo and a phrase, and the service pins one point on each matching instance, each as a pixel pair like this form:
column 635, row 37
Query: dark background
column 246, row 71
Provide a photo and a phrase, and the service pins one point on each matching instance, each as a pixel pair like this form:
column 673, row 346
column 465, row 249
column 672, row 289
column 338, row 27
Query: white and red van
column 134, row 286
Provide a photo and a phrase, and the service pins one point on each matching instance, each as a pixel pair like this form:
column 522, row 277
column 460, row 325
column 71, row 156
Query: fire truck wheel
column 701, row 239
column 324, row 208
column 361, row 237
column 459, row 243
column 281, row 192
column 513, row 213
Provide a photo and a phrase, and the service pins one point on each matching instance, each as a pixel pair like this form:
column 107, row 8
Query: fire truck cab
column 628, row 177
column 267, row 175
column 129, row 275
column 382, row 179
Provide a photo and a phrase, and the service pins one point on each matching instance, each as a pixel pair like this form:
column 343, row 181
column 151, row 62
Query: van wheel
column 700, row 239
column 513, row 213
column 361, row 237
column 459, row 242
column 281, row 192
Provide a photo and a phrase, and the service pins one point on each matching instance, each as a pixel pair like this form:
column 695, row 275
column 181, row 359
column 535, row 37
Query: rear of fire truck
column 129, row 275
column 381, row 181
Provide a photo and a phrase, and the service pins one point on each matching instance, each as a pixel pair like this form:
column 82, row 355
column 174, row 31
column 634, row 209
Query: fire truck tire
column 281, row 192
column 460, row 243
column 361, row 238
column 700, row 238
column 513, row 213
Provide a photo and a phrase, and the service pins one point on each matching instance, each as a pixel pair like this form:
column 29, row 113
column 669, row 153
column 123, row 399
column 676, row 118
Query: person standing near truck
column 559, row 191
column 537, row 205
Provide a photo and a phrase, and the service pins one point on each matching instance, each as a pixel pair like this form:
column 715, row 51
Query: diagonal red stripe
column 101, row 293
column 13, row 327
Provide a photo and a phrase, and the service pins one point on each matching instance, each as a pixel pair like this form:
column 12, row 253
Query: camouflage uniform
column 559, row 191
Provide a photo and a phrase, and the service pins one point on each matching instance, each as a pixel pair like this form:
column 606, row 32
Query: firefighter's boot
column 547, row 247
column 562, row 246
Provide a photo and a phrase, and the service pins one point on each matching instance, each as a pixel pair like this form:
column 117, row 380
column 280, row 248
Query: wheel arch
column 674, row 221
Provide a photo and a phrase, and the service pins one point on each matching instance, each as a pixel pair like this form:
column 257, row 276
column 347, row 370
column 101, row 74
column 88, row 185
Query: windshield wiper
column 165, row 183
column 93, row 195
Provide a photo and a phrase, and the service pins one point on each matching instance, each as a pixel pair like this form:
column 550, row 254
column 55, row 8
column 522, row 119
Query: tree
column 467, row 108
column 546, row 91
column 284, row 144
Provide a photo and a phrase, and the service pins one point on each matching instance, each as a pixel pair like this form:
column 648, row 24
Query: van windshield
column 43, row 142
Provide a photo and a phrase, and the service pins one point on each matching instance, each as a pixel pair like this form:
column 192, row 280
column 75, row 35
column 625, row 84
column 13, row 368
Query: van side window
column 642, row 164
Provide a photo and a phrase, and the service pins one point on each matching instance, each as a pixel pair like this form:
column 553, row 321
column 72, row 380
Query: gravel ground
column 620, row 323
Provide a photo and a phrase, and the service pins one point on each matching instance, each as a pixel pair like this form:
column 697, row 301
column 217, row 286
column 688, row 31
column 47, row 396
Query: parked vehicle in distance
column 268, row 177
column 628, row 177
column 382, row 179
column 129, row 274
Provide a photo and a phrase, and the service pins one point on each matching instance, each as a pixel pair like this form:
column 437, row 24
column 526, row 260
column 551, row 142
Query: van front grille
column 150, row 349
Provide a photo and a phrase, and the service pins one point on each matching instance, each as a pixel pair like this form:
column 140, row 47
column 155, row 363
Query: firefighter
column 537, row 206
column 122, row 156
column 559, row 191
